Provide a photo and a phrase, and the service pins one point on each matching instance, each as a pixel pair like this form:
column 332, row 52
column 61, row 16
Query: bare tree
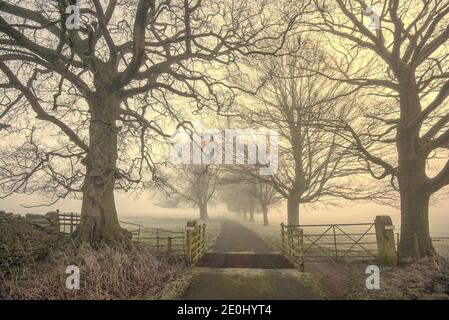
column 189, row 185
column 267, row 196
column 399, row 54
column 87, row 102
column 235, row 193
column 243, row 192
column 314, row 163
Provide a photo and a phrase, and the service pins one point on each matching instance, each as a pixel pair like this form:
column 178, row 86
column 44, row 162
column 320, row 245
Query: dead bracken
column 135, row 274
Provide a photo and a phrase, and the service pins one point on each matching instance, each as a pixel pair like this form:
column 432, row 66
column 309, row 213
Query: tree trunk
column 265, row 215
column 293, row 209
column 415, row 234
column 203, row 211
column 99, row 221
column 415, row 239
column 298, row 186
column 245, row 216
column 239, row 213
column 251, row 213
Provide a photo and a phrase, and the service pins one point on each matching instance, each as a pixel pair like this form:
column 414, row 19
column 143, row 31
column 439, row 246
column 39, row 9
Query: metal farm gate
column 324, row 242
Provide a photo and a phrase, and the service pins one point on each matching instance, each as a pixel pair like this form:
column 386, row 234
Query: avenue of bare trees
column 246, row 195
column 357, row 91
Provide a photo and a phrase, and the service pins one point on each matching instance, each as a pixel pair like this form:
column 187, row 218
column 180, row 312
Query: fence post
column 157, row 241
column 283, row 238
column 196, row 234
column 71, row 222
column 301, row 249
column 188, row 247
column 335, row 244
column 397, row 245
column 191, row 230
column 386, row 249
column 290, row 239
column 168, row 247
column 203, row 239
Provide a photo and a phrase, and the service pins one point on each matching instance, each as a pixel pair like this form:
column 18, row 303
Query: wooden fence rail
column 168, row 244
column 188, row 244
column 68, row 221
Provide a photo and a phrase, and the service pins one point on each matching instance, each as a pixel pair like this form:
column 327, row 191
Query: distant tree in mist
column 238, row 201
column 267, row 197
column 189, row 185
column 243, row 193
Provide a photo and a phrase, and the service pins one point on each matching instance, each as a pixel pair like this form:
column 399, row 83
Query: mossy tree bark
column 414, row 185
column 99, row 221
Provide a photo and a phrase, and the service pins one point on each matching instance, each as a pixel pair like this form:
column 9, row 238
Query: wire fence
column 441, row 245
column 440, row 242
column 167, row 244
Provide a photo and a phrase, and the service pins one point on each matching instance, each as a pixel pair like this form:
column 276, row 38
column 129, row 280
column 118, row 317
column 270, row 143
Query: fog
column 141, row 205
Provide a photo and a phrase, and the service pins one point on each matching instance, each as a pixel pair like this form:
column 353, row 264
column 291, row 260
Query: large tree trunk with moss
column 415, row 241
column 99, row 221
column 415, row 238
column 414, row 194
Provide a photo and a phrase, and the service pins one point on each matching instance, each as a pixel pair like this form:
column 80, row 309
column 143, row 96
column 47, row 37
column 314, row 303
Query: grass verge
column 125, row 271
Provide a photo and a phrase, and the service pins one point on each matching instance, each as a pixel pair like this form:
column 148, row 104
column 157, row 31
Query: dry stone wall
column 27, row 237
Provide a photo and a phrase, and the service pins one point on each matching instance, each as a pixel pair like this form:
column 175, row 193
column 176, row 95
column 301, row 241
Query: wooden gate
column 68, row 221
column 339, row 241
column 293, row 245
column 195, row 242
